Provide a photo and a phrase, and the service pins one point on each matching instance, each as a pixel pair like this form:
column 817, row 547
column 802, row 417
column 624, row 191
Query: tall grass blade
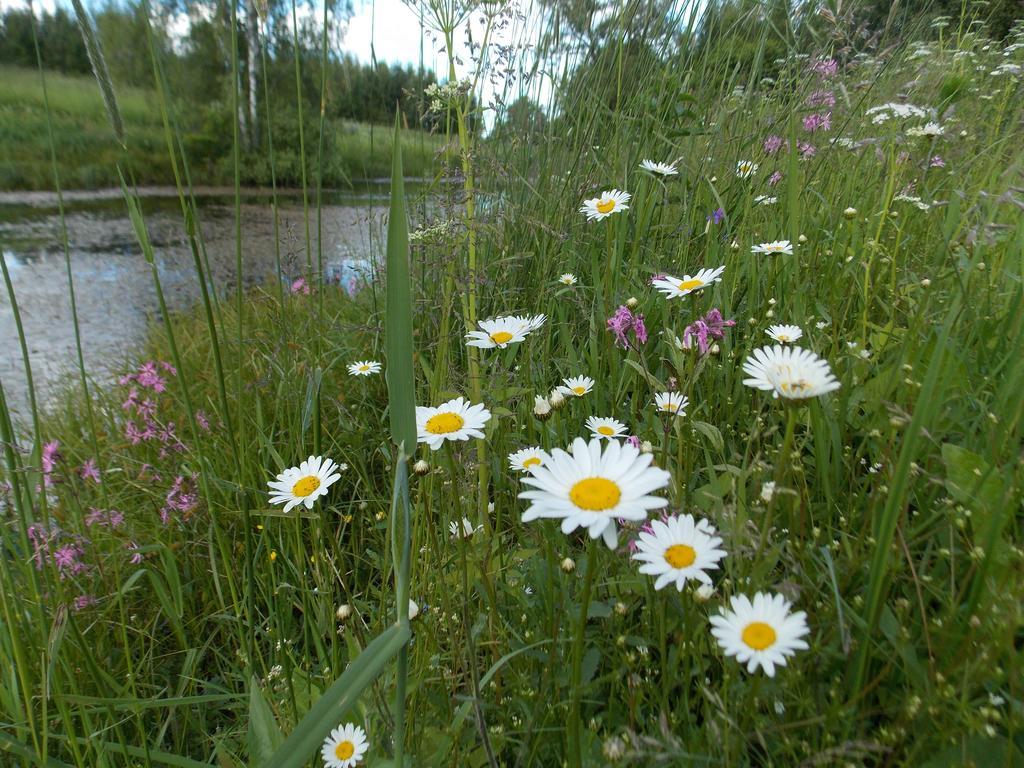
column 398, row 302
column 94, row 50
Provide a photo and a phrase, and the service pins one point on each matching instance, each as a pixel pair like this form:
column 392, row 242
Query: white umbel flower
column 791, row 373
column 674, row 287
column 344, row 747
column 305, row 483
column 577, row 386
column 528, row 458
column 678, row 550
column 671, row 402
column 455, row 420
column 502, row 331
column 610, row 201
column 785, row 334
column 774, row 247
column 364, row 368
column 592, row 488
column 760, row 633
column 659, row 169
column 604, row 428
column 746, row 168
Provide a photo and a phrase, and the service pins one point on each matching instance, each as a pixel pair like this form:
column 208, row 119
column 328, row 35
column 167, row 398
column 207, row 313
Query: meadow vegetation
column 158, row 609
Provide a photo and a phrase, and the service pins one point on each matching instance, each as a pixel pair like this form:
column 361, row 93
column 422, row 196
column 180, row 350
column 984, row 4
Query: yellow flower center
column 364, row 367
column 580, row 390
column 530, row 462
column 344, row 750
column 595, row 494
column 501, row 337
column 680, row 555
column 605, row 206
column 689, row 285
column 306, row 486
column 606, row 430
column 444, row 423
column 758, row 635
column 670, row 407
column 795, row 387
column 782, row 336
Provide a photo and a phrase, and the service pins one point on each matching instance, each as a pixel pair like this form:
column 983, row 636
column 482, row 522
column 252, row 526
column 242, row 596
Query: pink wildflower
column 821, row 99
column 50, row 457
column 624, row 321
column 806, row 149
column 937, row 162
column 775, row 178
column 84, row 601
column 300, row 286
column 773, row 144
column 825, row 68
column 818, row 122
column 711, row 326
column 89, row 471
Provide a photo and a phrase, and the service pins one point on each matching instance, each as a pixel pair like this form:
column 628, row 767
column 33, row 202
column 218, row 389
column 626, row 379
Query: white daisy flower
column 792, row 373
column 659, row 169
column 502, row 331
column 674, row 287
column 590, row 488
column 528, row 458
column 774, row 247
column 762, row 633
column 671, row 402
column 464, row 531
column 567, row 279
column 746, row 168
column 345, row 747
column 766, row 200
column 610, row 201
column 605, row 429
column 678, row 550
column 305, row 483
column 455, row 420
column 577, row 386
column 785, row 334
column 364, row 368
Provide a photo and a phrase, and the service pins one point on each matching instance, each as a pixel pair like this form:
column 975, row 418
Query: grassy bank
column 89, row 153
column 158, row 609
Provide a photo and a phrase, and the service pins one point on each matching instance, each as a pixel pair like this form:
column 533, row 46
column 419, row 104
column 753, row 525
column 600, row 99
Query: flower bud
column 414, row 610
column 850, row 213
column 556, row 399
column 420, row 468
column 632, row 302
column 703, row 593
column 646, row 447
column 568, row 565
column 620, row 608
column 802, row 238
column 541, row 407
column 344, row 611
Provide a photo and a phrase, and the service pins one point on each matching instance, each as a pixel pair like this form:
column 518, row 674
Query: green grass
column 89, row 152
column 895, row 524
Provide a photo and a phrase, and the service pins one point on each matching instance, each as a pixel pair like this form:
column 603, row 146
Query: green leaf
column 329, row 710
column 264, row 734
column 398, row 322
column 972, row 482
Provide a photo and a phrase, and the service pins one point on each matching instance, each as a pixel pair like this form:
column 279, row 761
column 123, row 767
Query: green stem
column 575, row 744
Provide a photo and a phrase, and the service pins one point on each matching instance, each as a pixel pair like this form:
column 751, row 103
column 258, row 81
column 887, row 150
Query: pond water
column 114, row 291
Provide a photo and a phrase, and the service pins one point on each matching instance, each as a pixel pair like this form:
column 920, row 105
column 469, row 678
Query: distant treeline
column 198, row 65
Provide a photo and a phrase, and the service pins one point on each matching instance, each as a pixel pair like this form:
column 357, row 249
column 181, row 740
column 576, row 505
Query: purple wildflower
column 937, row 162
column 84, row 601
column 634, row 441
column 136, row 553
column 624, row 321
column 775, row 178
column 717, row 216
column 202, row 420
column 180, row 498
column 50, row 457
column 818, row 122
column 711, row 326
column 825, row 68
column 89, row 471
column 806, row 149
column 773, row 144
column 822, row 98
column 300, row 286
column 68, row 560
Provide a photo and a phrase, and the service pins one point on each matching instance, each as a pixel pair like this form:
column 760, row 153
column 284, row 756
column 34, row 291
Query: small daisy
column 364, row 368
column 502, row 331
column 774, row 247
column 604, row 206
column 305, row 483
column 345, row 747
column 567, row 279
column 762, row 633
column 607, row 429
column 593, row 487
column 671, row 402
column 785, row 334
column 678, row 550
column 528, row 458
column 454, row 420
column 577, row 386
column 789, row 372
column 464, row 531
column 659, row 169
column 746, row 168
column 674, row 287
